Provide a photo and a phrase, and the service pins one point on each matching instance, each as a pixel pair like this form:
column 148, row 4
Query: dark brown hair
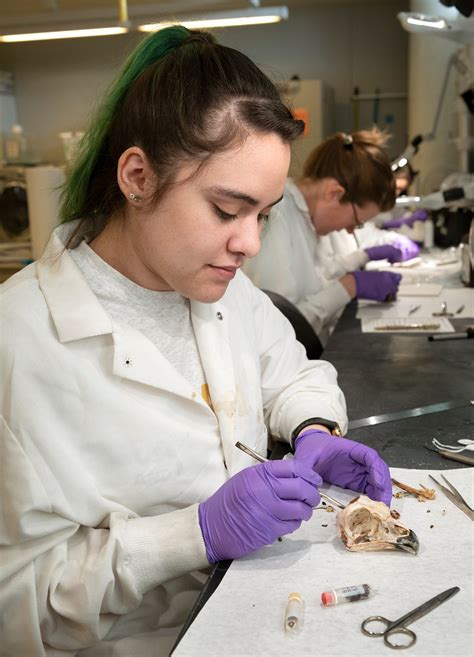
column 181, row 97
column 360, row 164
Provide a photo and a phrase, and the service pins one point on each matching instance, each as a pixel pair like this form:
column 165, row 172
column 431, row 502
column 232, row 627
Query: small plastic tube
column 294, row 613
column 345, row 594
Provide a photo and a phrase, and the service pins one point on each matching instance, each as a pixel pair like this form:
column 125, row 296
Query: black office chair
column 303, row 329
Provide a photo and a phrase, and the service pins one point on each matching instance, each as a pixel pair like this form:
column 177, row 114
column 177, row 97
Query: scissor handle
column 373, row 619
column 388, row 633
column 401, row 629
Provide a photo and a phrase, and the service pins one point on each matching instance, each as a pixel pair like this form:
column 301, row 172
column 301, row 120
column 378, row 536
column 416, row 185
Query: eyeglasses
column 355, row 217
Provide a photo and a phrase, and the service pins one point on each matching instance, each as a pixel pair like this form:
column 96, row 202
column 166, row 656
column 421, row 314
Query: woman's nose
column 246, row 239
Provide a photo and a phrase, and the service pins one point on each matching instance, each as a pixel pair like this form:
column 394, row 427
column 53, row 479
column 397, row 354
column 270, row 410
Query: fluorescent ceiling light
column 246, row 16
column 438, row 23
column 62, row 34
column 119, row 28
column 212, row 22
column 260, row 16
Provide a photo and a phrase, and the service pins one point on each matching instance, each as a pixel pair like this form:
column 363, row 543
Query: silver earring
column 135, row 197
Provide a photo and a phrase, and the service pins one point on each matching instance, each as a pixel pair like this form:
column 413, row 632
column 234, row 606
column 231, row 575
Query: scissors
column 399, row 626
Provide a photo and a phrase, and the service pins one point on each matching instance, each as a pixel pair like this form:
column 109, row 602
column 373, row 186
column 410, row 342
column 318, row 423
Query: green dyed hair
column 181, row 97
column 149, row 51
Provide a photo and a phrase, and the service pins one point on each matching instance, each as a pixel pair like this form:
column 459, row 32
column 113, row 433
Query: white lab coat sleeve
column 322, row 308
column 294, row 388
column 338, row 253
column 370, row 235
column 72, row 580
column 340, row 264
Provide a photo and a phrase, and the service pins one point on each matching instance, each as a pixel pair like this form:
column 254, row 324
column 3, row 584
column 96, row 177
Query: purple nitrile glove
column 345, row 463
column 408, row 248
column 256, row 506
column 407, row 219
column 384, row 252
column 376, row 285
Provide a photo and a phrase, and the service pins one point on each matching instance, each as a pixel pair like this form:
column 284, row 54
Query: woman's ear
column 135, row 176
column 333, row 191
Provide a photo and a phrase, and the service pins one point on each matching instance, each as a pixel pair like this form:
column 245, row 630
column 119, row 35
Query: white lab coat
column 105, row 454
column 304, row 267
column 292, row 262
column 342, row 252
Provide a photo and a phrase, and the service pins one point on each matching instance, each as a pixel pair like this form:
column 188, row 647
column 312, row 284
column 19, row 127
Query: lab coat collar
column 294, row 191
column 75, row 309
column 77, row 314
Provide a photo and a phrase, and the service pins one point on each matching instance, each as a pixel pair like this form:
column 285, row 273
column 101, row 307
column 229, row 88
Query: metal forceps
column 261, row 459
column 399, row 626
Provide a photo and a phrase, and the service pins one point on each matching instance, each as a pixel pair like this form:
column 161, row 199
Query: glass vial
column 294, row 613
column 345, row 594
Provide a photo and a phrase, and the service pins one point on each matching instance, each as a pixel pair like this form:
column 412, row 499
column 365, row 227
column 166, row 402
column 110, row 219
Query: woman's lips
column 226, row 273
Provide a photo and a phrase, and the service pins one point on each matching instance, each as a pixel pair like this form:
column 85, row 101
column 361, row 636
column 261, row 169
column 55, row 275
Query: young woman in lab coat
column 135, row 353
column 309, row 251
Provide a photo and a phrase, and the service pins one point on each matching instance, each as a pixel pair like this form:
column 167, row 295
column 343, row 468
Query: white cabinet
column 312, row 101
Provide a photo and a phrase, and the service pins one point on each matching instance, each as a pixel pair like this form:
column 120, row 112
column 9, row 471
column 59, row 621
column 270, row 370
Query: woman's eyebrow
column 239, row 196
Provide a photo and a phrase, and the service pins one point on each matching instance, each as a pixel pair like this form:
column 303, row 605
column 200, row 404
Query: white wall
column 428, row 57
column 58, row 82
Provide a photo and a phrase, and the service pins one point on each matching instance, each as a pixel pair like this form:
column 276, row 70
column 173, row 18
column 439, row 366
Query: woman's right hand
column 256, row 506
column 376, row 285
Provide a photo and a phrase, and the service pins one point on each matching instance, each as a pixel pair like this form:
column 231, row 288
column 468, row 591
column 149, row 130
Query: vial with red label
column 345, row 594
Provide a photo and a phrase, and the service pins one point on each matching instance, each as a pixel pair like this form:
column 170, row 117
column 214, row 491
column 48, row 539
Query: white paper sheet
column 244, row 617
column 419, row 290
column 407, row 325
column 455, row 299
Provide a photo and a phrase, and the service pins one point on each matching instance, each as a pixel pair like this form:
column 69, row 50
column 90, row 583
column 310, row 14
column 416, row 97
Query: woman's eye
column 263, row 218
column 223, row 215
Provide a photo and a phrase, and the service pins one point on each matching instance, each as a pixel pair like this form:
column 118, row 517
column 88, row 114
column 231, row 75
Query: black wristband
column 333, row 427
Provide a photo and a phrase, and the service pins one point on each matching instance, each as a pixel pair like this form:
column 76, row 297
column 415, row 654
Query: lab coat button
column 220, row 316
column 128, row 362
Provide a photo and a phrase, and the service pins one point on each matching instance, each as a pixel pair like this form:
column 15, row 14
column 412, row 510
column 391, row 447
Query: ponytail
column 151, row 49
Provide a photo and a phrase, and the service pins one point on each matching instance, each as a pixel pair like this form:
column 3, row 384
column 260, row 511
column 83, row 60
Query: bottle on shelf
column 15, row 145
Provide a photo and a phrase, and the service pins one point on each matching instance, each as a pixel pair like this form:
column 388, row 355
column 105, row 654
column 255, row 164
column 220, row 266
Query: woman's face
column 208, row 224
column 333, row 215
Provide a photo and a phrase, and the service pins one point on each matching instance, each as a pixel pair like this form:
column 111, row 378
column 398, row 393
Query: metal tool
column 399, row 626
column 262, row 459
column 455, row 497
column 453, row 261
column 460, row 335
column 413, row 310
column 411, row 412
column 452, row 448
column 407, row 327
column 444, row 311
column 452, row 456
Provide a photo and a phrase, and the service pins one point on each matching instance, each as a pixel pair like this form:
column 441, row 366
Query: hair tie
column 347, row 140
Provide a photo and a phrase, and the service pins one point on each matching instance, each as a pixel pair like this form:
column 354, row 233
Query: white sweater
column 106, row 453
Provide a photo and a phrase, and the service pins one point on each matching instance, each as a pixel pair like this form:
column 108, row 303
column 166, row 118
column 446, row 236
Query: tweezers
column 454, row 496
column 261, row 459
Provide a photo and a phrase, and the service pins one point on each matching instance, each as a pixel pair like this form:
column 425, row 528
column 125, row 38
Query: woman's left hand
column 345, row 463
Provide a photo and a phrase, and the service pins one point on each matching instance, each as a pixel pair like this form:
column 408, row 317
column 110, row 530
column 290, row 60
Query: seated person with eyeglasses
column 347, row 180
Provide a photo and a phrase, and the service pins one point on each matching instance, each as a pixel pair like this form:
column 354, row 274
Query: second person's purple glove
column 345, row 463
column 376, row 285
column 384, row 252
column 407, row 219
column 256, row 506
column 402, row 248
column 408, row 248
